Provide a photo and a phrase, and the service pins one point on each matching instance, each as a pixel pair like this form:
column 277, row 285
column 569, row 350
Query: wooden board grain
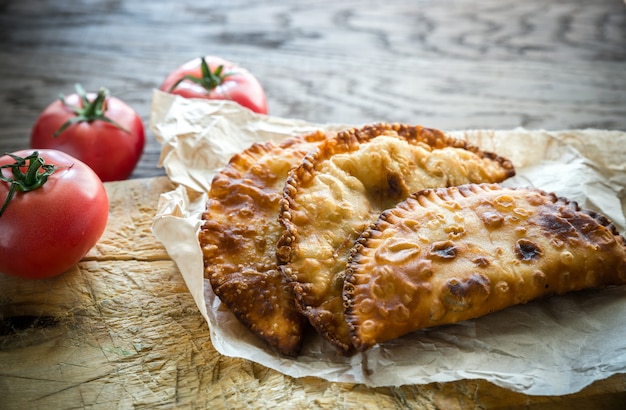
column 121, row 331
column 448, row 64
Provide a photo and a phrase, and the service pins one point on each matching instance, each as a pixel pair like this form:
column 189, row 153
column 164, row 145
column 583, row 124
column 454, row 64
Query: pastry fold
column 238, row 239
column 341, row 187
column 448, row 255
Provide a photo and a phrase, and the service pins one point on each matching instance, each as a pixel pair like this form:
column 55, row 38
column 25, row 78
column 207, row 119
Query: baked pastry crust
column 343, row 185
column 238, row 239
column 447, row 255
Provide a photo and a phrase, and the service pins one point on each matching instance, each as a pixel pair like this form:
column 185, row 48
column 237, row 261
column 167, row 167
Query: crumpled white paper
column 554, row 346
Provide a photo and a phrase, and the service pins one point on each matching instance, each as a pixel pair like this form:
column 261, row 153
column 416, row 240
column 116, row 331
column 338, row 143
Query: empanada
column 447, row 255
column 238, row 239
column 342, row 186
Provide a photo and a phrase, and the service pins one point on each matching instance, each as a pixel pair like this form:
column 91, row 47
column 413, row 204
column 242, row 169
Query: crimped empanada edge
column 238, row 165
column 349, row 140
column 444, row 194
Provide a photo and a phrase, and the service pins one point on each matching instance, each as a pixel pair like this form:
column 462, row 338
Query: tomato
column 100, row 130
column 214, row 78
column 47, row 230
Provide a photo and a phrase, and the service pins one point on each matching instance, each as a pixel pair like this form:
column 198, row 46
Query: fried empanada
column 342, row 186
column 238, row 239
column 447, row 255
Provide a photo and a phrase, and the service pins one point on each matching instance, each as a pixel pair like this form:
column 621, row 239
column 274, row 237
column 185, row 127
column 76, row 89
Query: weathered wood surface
column 450, row 64
column 122, row 331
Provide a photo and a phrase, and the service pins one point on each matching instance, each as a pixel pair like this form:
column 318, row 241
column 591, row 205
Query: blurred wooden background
column 450, row 64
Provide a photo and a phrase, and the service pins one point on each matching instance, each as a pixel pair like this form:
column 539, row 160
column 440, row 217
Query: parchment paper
column 554, row 346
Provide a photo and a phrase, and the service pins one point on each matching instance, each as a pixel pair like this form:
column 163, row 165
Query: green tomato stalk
column 209, row 79
column 36, row 175
column 88, row 111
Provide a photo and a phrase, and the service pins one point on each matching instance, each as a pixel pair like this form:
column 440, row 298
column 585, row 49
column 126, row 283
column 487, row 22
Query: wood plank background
column 449, row 64
column 121, row 331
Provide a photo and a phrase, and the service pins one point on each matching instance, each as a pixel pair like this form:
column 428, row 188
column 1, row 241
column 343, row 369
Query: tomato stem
column 35, row 176
column 88, row 111
column 209, row 79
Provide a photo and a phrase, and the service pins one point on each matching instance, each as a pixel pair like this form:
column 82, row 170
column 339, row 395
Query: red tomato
column 47, row 230
column 214, row 78
column 104, row 132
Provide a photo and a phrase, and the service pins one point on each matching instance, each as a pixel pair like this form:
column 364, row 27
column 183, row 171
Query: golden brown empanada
column 447, row 255
column 342, row 186
column 238, row 239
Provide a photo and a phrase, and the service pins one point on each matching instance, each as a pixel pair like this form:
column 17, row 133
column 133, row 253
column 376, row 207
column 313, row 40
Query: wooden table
column 121, row 330
column 449, row 64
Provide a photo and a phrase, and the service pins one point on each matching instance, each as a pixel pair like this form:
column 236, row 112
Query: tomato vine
column 36, row 174
column 88, row 111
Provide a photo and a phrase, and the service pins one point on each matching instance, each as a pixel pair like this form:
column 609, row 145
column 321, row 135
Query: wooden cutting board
column 121, row 331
